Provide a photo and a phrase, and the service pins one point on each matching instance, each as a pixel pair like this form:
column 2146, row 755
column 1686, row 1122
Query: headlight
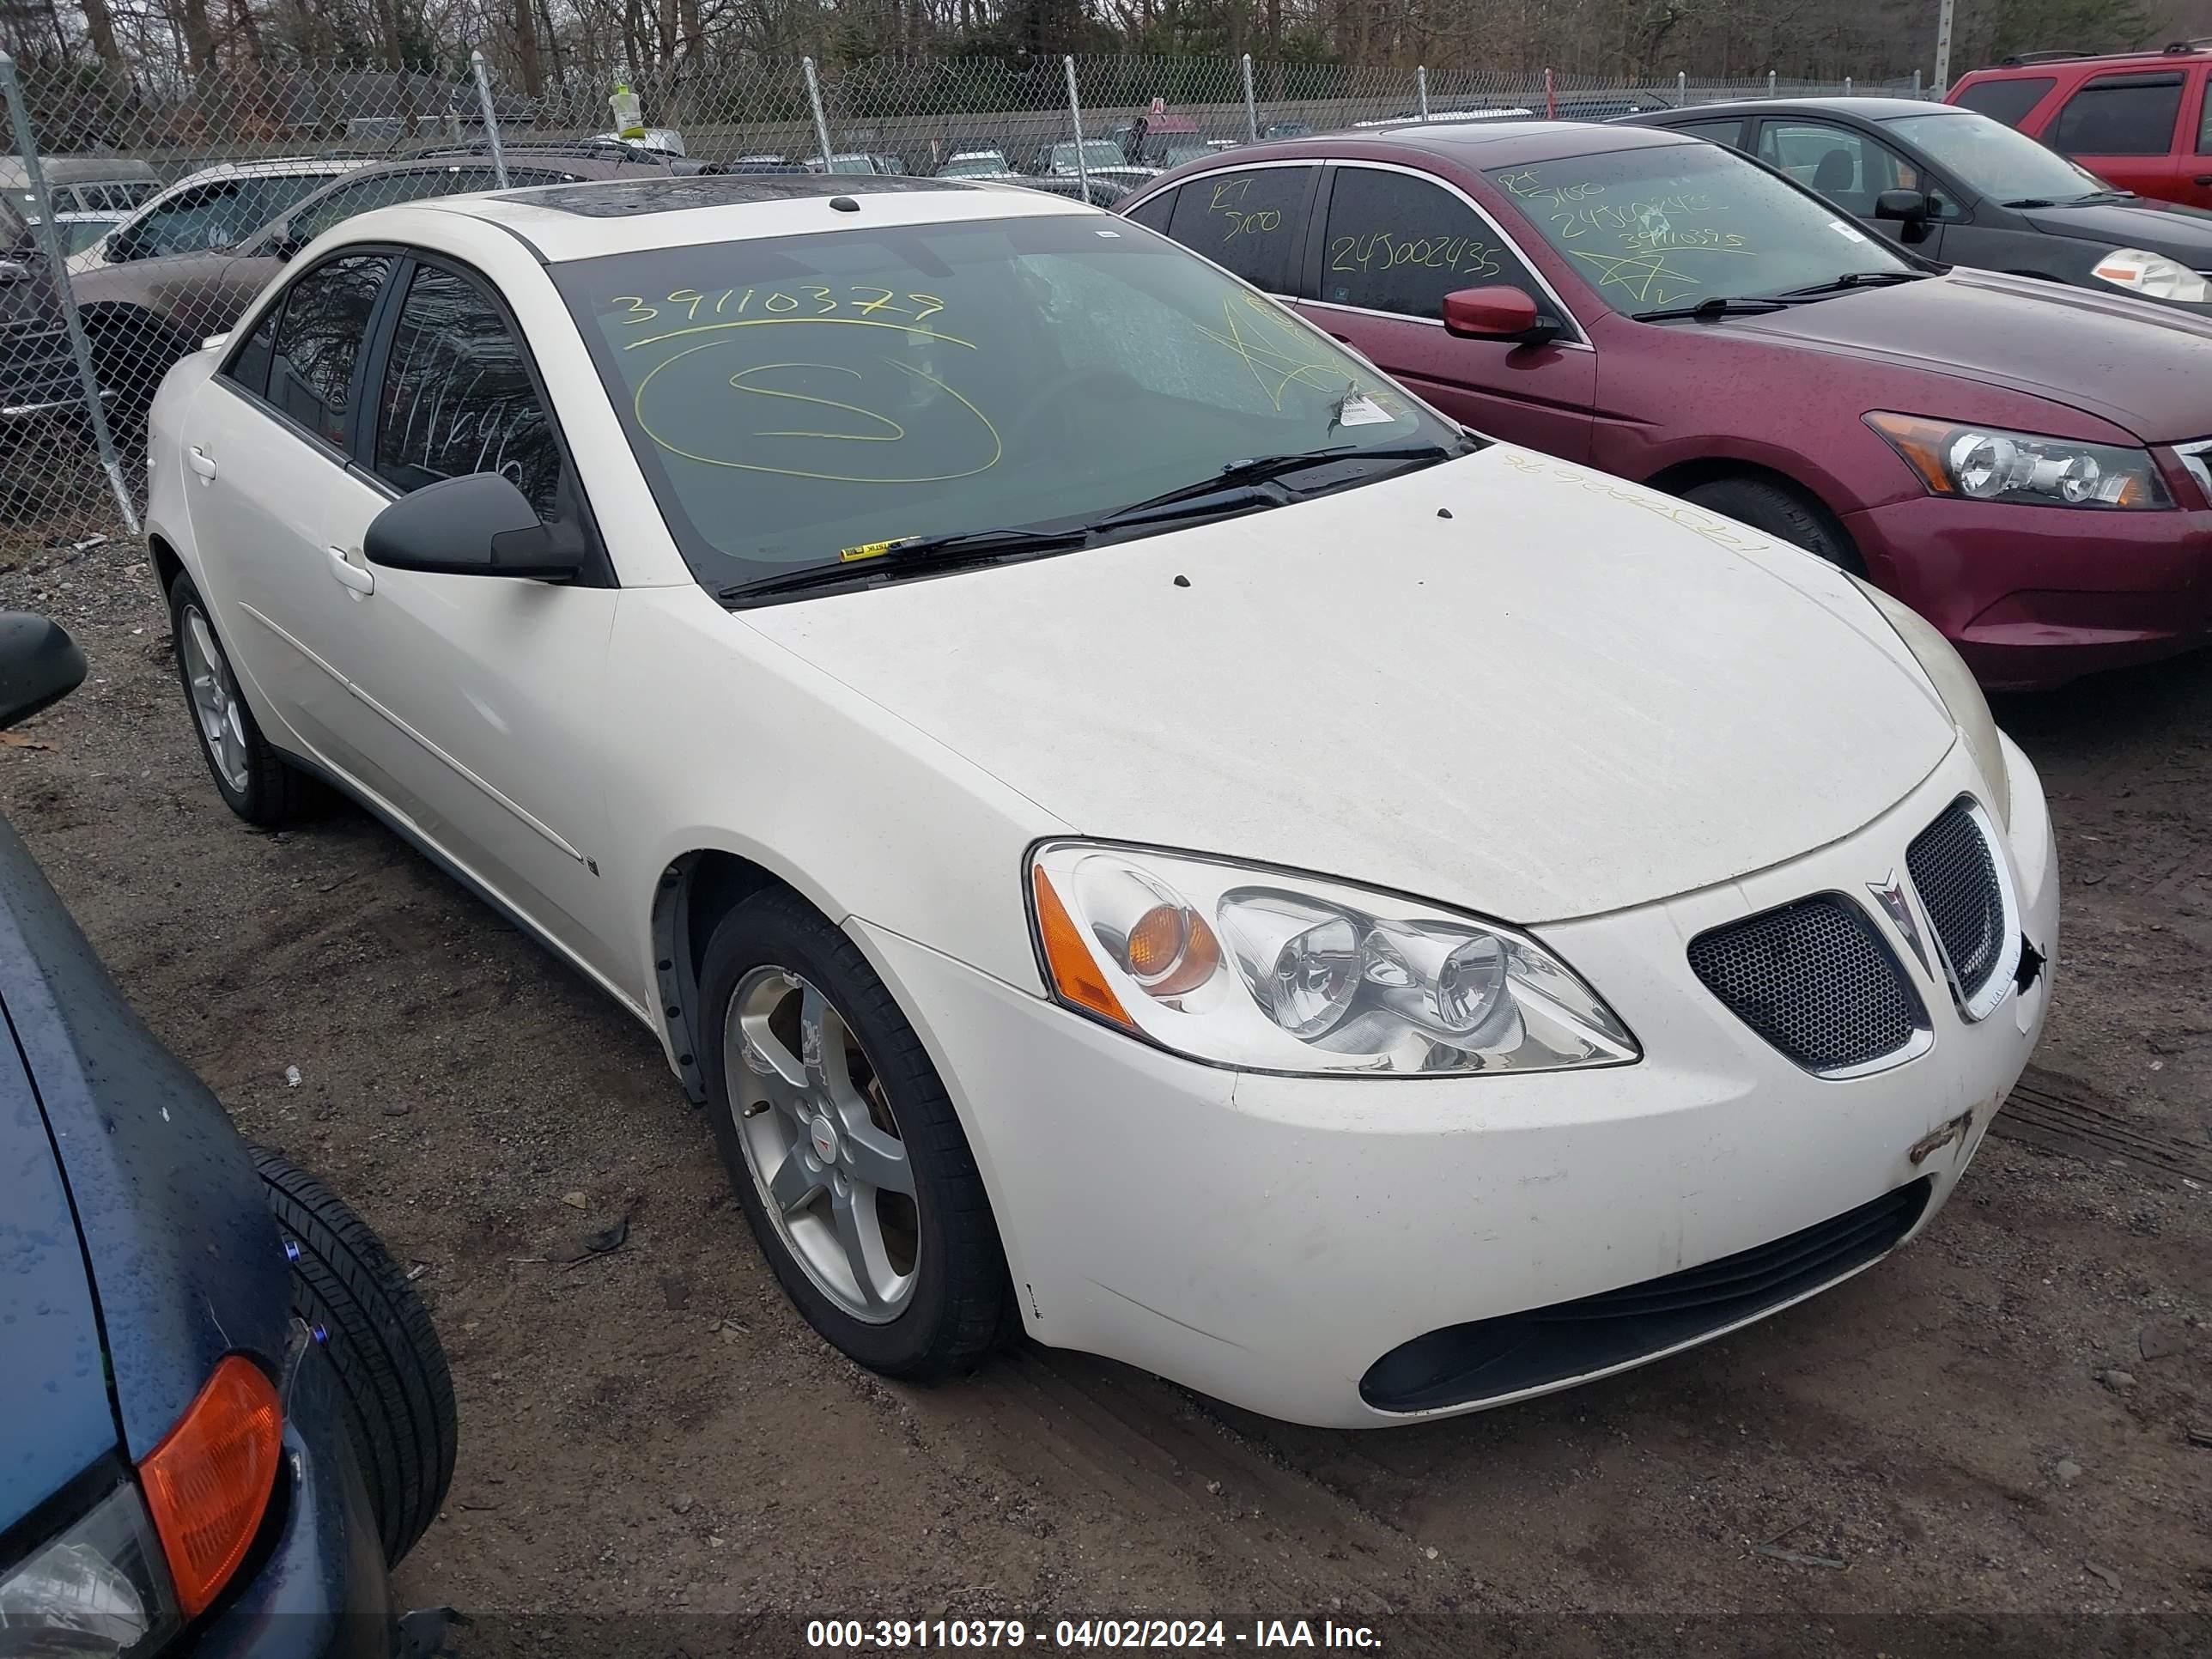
column 1988, row 463
column 98, row 1587
column 1955, row 684
column 1271, row 972
column 2153, row 276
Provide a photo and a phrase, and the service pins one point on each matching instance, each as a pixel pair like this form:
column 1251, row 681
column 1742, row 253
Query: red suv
column 2027, row 464
column 2137, row 119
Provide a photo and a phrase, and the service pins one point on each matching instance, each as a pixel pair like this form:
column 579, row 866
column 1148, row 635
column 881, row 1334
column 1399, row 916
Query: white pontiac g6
column 1133, row 826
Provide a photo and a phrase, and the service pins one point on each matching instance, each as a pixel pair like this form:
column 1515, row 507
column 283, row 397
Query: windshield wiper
column 949, row 551
column 1264, row 469
column 1852, row 279
column 1718, row 307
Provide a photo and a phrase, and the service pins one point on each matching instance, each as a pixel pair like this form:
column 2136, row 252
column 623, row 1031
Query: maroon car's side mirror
column 1496, row 313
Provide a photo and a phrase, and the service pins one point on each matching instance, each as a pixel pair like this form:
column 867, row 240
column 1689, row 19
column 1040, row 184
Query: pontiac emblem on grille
column 1891, row 894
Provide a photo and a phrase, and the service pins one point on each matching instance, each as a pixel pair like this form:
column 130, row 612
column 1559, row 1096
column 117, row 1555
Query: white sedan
column 1133, row 826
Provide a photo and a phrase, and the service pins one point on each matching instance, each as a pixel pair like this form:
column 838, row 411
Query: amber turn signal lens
column 1075, row 973
column 1171, row 951
column 209, row 1481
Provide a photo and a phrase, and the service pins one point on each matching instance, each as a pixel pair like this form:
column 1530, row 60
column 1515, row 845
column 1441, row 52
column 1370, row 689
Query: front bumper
column 317, row 1589
column 2034, row 596
column 1268, row 1239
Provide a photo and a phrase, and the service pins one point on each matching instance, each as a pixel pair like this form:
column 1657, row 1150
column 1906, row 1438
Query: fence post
column 49, row 242
column 1421, row 88
column 491, row 117
column 1551, row 97
column 1075, row 115
column 1681, row 87
column 1251, row 108
column 1847, row 85
column 1916, row 83
column 821, row 121
column 1769, row 83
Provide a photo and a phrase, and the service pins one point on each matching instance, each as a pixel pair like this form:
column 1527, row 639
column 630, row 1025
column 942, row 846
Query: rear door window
column 1254, row 222
column 326, row 318
column 2120, row 115
column 2007, row 102
column 1399, row 243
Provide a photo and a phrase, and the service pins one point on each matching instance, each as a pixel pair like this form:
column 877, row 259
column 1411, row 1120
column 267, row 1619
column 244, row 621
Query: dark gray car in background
column 1957, row 186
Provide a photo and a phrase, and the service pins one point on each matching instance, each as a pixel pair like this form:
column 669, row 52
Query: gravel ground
column 1998, row 1421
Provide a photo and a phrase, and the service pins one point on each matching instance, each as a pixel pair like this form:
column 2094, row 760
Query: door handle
column 349, row 573
column 202, row 462
column 2204, row 178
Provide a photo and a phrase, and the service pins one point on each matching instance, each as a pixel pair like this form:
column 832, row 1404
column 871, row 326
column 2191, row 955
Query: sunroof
column 619, row 198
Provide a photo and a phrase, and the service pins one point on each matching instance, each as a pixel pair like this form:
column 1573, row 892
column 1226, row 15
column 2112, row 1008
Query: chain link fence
column 141, row 216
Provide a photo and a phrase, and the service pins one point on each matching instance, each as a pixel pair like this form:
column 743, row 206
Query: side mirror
column 1910, row 206
column 40, row 665
column 477, row 525
column 1496, row 313
column 286, row 243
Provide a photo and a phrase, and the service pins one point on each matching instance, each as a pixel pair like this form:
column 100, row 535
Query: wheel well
column 168, row 566
column 1681, row 479
column 695, row 893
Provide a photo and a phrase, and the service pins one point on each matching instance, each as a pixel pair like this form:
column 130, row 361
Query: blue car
column 224, row 1413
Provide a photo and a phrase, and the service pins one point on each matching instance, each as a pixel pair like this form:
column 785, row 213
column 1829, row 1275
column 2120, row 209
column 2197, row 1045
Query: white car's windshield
column 1993, row 159
column 806, row 401
column 1681, row 224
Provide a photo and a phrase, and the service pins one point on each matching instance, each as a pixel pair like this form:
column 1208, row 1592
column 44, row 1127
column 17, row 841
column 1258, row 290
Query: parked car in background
column 39, row 379
column 141, row 315
column 977, row 164
column 857, row 161
column 1098, row 192
column 1102, row 158
column 224, row 1413
column 2021, row 463
column 82, row 230
column 78, row 184
column 213, row 208
column 1652, row 848
column 2137, row 119
column 1959, row 187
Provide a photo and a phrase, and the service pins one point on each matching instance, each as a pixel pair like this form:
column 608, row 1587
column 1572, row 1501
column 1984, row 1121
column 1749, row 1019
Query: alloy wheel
column 822, row 1143
column 215, row 703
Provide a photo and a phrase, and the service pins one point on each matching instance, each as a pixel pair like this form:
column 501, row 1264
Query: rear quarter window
column 2007, row 102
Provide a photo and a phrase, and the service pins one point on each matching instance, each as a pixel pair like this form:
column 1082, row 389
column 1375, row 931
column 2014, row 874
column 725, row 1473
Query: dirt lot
column 1998, row 1421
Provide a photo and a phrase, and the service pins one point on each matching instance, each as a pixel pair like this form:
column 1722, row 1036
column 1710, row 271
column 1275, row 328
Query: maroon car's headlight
column 1991, row 464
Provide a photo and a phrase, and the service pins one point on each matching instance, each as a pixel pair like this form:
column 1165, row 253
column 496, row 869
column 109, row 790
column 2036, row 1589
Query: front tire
column 255, row 781
column 391, row 1369
column 843, row 1147
column 1783, row 514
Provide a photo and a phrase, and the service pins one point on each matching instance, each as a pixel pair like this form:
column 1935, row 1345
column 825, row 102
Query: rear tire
column 1783, row 514
column 391, row 1369
column 255, row 781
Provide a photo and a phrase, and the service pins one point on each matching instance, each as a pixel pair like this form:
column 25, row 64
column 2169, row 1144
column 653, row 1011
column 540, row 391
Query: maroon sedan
column 2028, row 466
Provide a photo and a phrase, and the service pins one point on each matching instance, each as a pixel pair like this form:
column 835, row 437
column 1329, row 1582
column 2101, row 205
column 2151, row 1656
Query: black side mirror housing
column 477, row 525
column 1911, row 208
column 40, row 665
column 285, row 243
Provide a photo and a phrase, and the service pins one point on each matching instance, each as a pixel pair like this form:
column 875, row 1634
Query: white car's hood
column 1570, row 695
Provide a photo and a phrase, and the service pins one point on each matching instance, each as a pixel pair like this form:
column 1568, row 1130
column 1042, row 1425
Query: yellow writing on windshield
column 687, row 305
column 1275, row 347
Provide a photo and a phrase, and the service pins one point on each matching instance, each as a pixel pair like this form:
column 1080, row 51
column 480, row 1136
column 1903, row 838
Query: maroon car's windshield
column 1665, row 227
